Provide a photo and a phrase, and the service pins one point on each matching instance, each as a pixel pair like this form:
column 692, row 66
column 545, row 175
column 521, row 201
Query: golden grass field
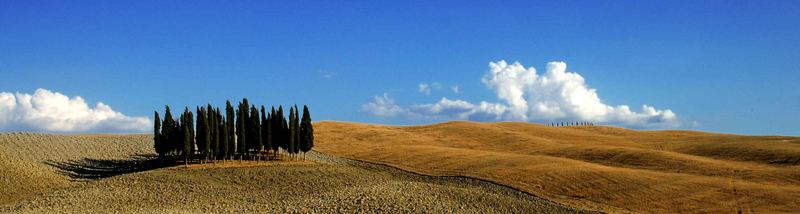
column 591, row 167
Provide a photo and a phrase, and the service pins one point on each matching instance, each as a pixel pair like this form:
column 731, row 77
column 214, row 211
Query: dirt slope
column 25, row 159
column 114, row 174
column 603, row 168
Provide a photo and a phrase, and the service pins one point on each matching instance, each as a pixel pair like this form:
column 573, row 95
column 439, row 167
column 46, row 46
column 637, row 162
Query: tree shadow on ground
column 93, row 169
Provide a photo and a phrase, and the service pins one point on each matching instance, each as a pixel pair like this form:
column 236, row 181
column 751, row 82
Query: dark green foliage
column 166, row 131
column 273, row 132
column 307, row 131
column 254, row 129
column 296, row 128
column 243, row 131
column 242, row 116
column 187, row 130
column 265, row 130
column 157, row 136
column 281, row 130
column 224, row 143
column 211, row 130
column 292, row 131
column 231, row 125
column 219, row 136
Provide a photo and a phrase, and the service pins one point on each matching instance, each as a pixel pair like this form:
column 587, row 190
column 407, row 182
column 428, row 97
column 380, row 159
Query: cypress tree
column 292, row 139
column 177, row 137
column 166, row 135
column 307, row 131
column 296, row 128
column 255, row 128
column 229, row 116
column 265, row 132
column 157, row 136
column 224, row 130
column 192, row 132
column 279, row 132
column 220, row 136
column 200, row 137
column 188, row 144
column 211, row 129
column 272, row 132
column 201, row 130
column 241, row 119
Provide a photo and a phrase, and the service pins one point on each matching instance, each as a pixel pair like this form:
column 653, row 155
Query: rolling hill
column 45, row 173
column 593, row 167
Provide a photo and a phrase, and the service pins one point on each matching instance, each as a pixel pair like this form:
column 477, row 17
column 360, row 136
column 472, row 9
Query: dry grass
column 602, row 168
column 115, row 174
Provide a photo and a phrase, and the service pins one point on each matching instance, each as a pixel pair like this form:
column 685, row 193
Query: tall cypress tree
column 292, row 132
column 201, row 130
column 220, row 136
column 225, row 144
column 255, row 129
column 297, row 132
column 241, row 119
column 307, row 129
column 177, row 137
column 229, row 116
column 212, row 132
column 272, row 132
column 166, row 134
column 265, row 132
column 192, row 132
column 157, row 136
column 281, row 130
column 186, row 125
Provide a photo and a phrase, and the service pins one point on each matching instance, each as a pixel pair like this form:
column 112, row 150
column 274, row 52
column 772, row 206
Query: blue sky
column 724, row 66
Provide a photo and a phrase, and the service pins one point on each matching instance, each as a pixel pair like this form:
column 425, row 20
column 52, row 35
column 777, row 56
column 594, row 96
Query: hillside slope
column 594, row 167
column 25, row 159
column 42, row 173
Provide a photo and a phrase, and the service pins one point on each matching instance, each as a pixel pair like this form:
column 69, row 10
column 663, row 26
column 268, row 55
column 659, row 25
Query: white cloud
column 383, row 106
column 45, row 110
column 424, row 88
column 455, row 89
column 555, row 95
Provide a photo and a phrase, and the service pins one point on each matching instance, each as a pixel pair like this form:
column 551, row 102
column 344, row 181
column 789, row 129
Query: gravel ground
column 324, row 184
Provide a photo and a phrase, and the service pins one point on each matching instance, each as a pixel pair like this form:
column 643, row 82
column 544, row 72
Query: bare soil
column 104, row 174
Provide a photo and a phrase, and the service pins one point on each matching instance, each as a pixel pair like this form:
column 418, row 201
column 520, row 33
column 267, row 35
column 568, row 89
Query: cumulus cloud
column 45, row 110
column 555, row 95
column 383, row 106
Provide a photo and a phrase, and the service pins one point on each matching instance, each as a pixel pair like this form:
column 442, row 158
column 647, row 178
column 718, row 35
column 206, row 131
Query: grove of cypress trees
column 215, row 134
